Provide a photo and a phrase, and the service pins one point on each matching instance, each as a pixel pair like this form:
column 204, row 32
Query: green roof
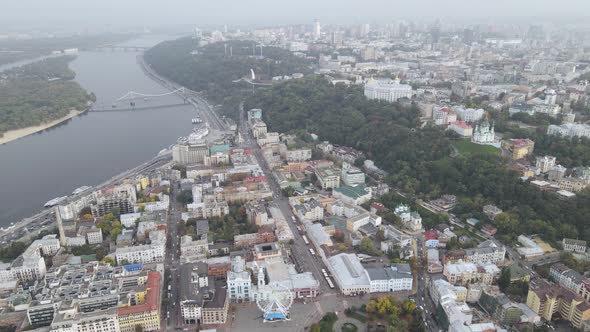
column 219, row 148
column 355, row 191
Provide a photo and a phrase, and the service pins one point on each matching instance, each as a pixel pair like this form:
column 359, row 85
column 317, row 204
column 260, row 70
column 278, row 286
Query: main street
column 299, row 250
column 172, row 260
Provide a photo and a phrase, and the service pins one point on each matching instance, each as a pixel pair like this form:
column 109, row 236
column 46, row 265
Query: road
column 422, row 298
column 172, row 260
column 299, row 250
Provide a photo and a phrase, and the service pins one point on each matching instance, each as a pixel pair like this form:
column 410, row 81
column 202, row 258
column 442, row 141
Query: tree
column 338, row 236
column 185, row 197
column 288, row 192
column 504, row 279
column 380, row 236
column 367, row 246
column 109, row 260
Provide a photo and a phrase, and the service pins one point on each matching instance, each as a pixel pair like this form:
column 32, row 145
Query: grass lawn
column 358, row 316
column 465, row 147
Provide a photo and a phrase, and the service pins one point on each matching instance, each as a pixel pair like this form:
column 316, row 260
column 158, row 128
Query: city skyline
column 112, row 15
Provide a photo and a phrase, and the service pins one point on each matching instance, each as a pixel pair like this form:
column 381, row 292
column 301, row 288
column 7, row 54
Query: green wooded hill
column 39, row 92
column 212, row 70
column 418, row 159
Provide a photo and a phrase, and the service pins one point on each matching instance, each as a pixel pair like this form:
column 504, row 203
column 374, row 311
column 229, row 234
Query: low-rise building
column 298, row 155
column 356, row 194
column 349, row 274
column 462, row 128
column 566, row 277
column 467, row 273
column 193, row 249
column 518, row 148
column 487, row 252
column 573, row 245
column 491, row 211
column 394, row 278
column 329, row 177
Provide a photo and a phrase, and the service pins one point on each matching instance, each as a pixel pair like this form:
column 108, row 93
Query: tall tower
column 317, row 30
column 60, row 227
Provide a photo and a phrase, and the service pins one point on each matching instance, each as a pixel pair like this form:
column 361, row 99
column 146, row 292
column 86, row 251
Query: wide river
column 95, row 146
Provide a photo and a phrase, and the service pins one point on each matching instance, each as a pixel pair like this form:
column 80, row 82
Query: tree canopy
column 38, row 93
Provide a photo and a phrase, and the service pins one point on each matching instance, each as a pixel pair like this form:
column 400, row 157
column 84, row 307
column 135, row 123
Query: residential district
column 248, row 229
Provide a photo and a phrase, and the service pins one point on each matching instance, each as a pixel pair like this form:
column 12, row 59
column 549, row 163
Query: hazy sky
column 113, row 14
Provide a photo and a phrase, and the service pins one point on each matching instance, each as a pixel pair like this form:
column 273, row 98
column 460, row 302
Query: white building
column 443, row 116
column 469, row 114
column 569, row 130
column 239, row 281
column 411, row 220
column 389, row 91
column 544, row 164
column 298, row 155
column 128, row 219
column 349, row 274
column 487, row 252
column 31, row 264
column 71, row 320
column 329, row 177
column 149, row 253
column 484, row 134
column 352, row 175
column 463, row 273
column 573, row 245
column 530, row 248
column 193, row 250
column 397, row 277
column 94, row 235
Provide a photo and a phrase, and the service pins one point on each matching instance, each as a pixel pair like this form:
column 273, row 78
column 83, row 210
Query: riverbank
column 12, row 135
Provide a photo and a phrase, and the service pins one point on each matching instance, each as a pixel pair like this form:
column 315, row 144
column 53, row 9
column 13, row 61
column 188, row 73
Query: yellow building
column 518, row 148
column 143, row 307
column 546, row 300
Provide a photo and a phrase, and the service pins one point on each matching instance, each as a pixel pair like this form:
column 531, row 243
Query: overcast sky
column 114, row 14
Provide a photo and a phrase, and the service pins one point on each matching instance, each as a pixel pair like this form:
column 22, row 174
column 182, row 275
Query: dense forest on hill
column 39, row 92
column 214, row 68
column 418, row 158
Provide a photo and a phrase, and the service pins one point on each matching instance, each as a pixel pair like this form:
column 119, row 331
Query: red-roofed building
column 146, row 313
column 443, row 116
column 461, row 128
column 377, row 207
column 431, row 239
column 488, row 229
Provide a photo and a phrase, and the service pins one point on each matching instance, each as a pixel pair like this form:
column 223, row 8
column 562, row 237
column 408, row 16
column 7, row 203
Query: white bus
column 330, row 283
column 312, row 251
column 305, row 239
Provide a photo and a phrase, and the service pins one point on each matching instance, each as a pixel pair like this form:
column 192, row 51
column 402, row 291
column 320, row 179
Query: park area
column 466, row 148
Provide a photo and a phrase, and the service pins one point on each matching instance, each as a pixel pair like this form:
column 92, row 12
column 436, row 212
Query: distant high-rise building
column 317, row 30
column 337, row 38
column 468, row 36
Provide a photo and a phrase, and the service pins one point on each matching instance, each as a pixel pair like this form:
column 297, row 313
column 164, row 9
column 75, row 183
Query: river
column 95, row 146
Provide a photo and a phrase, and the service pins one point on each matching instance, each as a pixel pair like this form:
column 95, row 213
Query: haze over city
column 295, row 166
column 111, row 15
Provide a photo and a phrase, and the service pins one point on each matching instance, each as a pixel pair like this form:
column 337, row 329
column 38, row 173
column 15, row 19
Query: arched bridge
column 132, row 101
